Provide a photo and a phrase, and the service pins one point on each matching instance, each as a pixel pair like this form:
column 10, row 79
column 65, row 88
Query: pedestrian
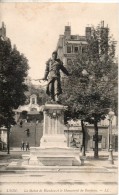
column 27, row 145
column 22, row 145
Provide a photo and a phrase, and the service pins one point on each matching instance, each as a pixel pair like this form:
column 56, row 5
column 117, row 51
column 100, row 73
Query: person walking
column 27, row 145
column 22, row 145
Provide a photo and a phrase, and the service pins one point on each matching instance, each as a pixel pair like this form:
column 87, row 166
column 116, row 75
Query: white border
column 40, row 1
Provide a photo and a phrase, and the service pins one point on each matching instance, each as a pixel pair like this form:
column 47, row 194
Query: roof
column 78, row 38
column 78, row 42
column 34, row 112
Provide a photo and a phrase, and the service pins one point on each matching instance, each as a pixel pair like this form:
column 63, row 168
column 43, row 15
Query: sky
column 35, row 27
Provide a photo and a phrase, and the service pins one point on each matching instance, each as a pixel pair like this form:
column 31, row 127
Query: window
column 75, row 49
column 74, row 37
column 68, row 49
column 69, row 62
column 33, row 100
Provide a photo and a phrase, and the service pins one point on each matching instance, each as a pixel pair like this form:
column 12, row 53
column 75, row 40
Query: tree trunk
column 8, row 140
column 83, row 141
column 96, row 140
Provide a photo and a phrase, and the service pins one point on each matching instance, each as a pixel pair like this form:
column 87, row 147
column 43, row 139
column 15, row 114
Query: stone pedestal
column 53, row 150
column 53, row 129
column 54, row 156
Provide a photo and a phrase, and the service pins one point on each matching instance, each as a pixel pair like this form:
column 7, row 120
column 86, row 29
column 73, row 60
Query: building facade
column 74, row 131
column 69, row 46
column 32, row 109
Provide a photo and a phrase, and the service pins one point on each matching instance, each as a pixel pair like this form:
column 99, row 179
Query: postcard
column 59, row 97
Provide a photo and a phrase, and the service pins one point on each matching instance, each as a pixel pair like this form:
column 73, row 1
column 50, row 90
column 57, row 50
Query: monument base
column 53, row 128
column 53, row 157
column 53, row 150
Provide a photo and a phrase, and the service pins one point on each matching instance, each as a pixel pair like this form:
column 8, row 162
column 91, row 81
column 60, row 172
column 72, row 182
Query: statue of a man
column 52, row 74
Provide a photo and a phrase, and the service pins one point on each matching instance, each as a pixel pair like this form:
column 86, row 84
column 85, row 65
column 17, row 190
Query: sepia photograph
column 59, row 97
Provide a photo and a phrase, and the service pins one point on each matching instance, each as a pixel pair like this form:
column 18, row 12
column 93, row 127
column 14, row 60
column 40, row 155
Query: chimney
column 3, row 26
column 88, row 32
column 102, row 23
column 3, row 30
column 67, row 32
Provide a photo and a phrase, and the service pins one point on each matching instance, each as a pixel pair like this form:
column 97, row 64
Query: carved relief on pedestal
column 54, row 113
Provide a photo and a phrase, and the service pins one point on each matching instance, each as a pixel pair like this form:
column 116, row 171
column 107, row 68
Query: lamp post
column 110, row 115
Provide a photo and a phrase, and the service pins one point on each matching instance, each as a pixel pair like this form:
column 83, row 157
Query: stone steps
column 16, row 167
column 38, row 172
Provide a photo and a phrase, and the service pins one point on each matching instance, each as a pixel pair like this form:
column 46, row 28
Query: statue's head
column 54, row 55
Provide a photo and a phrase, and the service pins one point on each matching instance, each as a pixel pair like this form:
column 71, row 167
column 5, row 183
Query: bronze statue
column 52, row 74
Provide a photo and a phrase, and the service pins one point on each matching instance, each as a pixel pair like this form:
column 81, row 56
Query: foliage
column 92, row 88
column 39, row 91
column 13, row 70
column 92, row 95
